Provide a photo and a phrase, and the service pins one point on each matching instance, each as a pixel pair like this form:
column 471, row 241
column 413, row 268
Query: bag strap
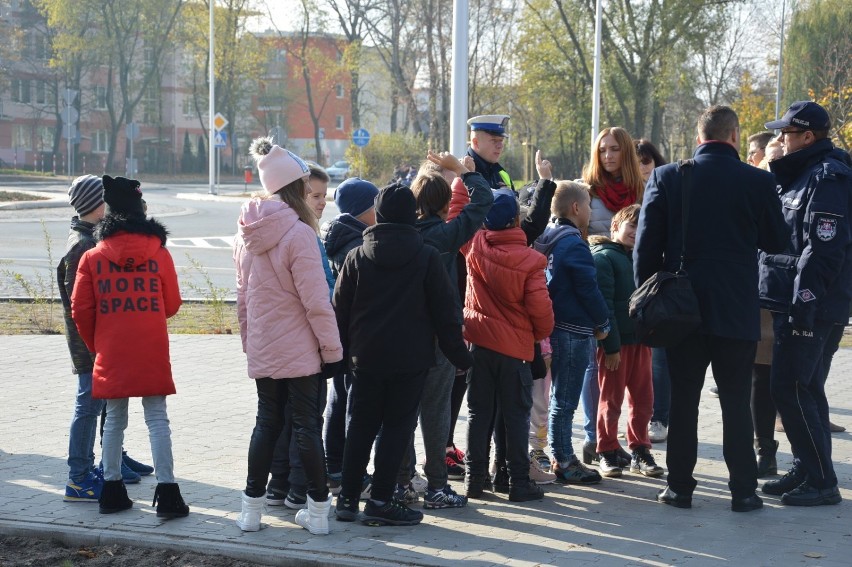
column 684, row 166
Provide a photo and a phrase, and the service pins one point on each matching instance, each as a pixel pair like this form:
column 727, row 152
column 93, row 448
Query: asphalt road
column 201, row 228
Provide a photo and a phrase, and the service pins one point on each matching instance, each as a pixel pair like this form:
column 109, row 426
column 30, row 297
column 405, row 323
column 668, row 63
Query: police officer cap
column 491, row 123
column 804, row 114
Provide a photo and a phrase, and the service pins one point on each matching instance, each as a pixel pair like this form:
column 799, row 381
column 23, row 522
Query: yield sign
column 219, row 122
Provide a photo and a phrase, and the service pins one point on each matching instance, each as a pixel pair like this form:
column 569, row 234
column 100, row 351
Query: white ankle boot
column 252, row 510
column 314, row 518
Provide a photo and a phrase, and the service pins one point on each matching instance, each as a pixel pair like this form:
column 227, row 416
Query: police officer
column 808, row 288
column 487, row 140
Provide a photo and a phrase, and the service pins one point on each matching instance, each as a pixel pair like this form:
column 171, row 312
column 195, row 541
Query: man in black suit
column 733, row 210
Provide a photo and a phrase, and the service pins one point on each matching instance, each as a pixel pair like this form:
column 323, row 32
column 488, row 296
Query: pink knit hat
column 276, row 166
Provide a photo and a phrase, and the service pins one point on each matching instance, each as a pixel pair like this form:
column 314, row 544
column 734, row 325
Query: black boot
column 501, row 480
column 766, row 463
column 114, row 497
column 169, row 502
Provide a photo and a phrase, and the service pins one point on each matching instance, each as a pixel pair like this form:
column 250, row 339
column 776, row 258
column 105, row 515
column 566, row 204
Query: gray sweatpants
column 434, row 423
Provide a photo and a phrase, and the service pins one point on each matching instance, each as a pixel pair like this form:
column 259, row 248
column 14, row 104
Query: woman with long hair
column 613, row 174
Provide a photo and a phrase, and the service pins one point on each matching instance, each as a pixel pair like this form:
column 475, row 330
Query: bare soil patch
column 35, row 552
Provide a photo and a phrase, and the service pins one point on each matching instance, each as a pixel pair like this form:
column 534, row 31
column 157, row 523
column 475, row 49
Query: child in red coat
column 126, row 289
column 507, row 309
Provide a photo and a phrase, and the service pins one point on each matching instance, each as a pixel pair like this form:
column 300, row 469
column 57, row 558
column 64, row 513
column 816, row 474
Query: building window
column 100, row 97
column 339, row 89
column 20, row 90
column 100, row 141
column 44, row 138
column 188, row 110
column 40, row 89
column 339, row 122
column 148, row 58
column 22, row 137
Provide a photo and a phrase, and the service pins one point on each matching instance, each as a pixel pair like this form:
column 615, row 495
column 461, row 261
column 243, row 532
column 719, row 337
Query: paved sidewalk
column 614, row 523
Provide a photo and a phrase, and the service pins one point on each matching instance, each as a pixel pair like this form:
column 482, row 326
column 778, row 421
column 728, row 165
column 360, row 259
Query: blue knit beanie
column 503, row 212
column 355, row 196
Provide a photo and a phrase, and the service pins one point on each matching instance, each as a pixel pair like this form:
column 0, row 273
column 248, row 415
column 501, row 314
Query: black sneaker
column 525, row 492
column 501, row 480
column 346, row 509
column 786, row 483
column 610, row 464
column 807, row 495
column 392, row 513
column 455, row 471
column 643, row 463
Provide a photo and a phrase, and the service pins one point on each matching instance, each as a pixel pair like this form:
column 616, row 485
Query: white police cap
column 491, row 123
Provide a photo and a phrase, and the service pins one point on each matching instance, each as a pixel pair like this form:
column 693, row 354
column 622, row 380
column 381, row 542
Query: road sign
column 219, row 122
column 220, row 140
column 132, row 131
column 360, row 137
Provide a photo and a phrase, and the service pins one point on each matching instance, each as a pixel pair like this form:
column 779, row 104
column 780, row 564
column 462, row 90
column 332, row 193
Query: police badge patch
column 826, row 228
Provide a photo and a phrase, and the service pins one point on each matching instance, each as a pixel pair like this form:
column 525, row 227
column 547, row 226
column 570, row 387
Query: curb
column 253, row 552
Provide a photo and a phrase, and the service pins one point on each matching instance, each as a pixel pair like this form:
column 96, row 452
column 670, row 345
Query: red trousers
column 634, row 375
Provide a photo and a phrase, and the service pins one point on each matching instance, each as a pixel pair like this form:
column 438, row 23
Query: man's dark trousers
column 731, row 361
column 800, row 364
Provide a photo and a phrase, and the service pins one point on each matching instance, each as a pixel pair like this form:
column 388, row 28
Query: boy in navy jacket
column 580, row 312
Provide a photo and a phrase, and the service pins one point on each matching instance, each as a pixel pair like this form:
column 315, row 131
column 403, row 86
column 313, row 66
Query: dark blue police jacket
column 734, row 210
column 812, row 278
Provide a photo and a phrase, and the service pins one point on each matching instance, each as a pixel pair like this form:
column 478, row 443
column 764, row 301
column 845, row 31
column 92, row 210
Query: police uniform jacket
column 125, row 290
column 812, row 277
column 733, row 211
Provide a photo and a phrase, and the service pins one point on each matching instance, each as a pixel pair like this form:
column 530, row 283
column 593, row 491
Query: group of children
column 444, row 279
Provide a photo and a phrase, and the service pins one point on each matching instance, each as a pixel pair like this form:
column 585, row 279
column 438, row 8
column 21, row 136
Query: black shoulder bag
column 665, row 308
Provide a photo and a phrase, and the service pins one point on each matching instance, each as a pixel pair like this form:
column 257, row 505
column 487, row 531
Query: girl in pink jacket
column 288, row 329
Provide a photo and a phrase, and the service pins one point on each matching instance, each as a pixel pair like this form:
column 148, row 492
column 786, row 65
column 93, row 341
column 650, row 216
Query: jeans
column 801, row 361
column 336, row 422
column 590, row 394
column 567, row 368
column 505, row 382
column 305, row 395
column 662, row 386
column 159, row 433
column 459, row 391
column 379, row 400
column 84, row 426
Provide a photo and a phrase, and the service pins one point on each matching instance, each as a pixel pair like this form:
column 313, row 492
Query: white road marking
column 207, row 242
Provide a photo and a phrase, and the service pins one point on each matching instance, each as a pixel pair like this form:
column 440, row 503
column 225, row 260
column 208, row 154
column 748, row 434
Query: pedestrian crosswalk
column 206, row 242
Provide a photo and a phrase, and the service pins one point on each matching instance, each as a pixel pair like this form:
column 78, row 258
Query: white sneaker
column 657, row 432
column 314, row 518
column 419, row 484
column 250, row 513
column 538, row 475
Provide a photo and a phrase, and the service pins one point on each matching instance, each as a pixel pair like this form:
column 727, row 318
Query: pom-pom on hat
column 86, row 194
column 503, row 212
column 276, row 166
column 355, row 196
column 396, row 204
column 123, row 197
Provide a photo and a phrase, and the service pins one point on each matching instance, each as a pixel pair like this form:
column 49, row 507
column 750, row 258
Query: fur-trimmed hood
column 113, row 224
column 130, row 242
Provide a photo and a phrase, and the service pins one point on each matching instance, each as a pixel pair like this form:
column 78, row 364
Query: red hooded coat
column 126, row 288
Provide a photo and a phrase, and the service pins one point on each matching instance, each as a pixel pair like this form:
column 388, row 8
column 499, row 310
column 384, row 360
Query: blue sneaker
column 139, row 468
column 89, row 490
column 127, row 475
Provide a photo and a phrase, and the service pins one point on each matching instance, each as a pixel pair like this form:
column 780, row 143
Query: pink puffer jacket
column 287, row 323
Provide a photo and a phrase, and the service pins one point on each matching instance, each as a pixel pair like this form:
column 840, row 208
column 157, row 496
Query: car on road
column 338, row 171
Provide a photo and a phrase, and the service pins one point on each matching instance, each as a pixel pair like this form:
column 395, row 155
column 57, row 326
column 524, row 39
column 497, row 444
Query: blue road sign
column 220, row 139
column 360, row 137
